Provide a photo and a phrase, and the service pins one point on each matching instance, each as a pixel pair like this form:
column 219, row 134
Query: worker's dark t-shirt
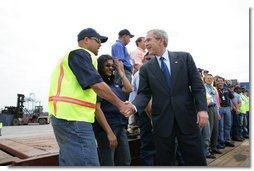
column 225, row 96
column 112, row 114
column 82, row 67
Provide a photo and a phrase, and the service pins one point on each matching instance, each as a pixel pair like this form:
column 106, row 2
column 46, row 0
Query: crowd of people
column 1, row 126
column 228, row 109
column 184, row 116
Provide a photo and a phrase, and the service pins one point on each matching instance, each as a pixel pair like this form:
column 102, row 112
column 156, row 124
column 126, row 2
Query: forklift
column 23, row 116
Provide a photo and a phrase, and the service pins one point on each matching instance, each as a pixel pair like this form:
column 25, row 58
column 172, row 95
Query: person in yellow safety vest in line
column 243, row 113
column 247, row 94
column 72, row 100
column 1, row 126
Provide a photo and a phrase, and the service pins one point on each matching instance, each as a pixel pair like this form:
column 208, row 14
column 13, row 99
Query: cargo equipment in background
column 20, row 115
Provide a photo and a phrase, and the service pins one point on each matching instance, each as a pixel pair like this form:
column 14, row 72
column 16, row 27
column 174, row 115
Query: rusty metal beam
column 50, row 160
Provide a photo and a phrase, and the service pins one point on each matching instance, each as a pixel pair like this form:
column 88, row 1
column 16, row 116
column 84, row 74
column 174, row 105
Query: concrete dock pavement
column 26, row 130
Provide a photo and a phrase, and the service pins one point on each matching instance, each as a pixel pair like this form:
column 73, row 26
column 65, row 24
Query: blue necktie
column 165, row 71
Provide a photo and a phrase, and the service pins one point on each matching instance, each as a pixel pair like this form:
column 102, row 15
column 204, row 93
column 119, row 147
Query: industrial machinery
column 21, row 115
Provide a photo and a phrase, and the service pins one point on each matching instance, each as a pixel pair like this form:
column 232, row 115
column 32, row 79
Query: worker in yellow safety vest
column 243, row 113
column 1, row 126
column 72, row 100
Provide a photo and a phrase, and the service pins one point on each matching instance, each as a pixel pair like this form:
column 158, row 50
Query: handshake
column 127, row 109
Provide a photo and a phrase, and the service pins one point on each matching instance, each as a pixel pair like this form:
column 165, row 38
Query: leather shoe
column 246, row 136
column 229, row 144
column 221, row 146
column 216, row 151
column 237, row 139
column 211, row 156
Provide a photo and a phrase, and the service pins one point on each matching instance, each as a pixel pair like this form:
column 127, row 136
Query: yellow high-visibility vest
column 247, row 103
column 67, row 100
column 242, row 108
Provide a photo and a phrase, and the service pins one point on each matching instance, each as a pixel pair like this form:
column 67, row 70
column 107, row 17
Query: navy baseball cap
column 125, row 32
column 237, row 88
column 89, row 32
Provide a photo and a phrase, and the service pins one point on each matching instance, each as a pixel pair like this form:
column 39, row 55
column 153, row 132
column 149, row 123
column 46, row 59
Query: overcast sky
column 35, row 34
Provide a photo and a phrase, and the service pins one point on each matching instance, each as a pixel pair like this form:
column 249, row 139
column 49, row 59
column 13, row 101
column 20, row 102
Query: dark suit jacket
column 180, row 103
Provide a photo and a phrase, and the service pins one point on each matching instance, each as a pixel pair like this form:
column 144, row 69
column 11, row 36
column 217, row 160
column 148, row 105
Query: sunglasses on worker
column 96, row 39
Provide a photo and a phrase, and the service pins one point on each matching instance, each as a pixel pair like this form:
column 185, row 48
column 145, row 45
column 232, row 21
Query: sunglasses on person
column 96, row 39
column 111, row 65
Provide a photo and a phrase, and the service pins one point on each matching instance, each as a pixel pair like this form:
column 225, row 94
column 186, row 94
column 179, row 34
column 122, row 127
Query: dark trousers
column 247, row 115
column 190, row 144
column 236, row 129
column 179, row 157
column 213, row 120
column 147, row 147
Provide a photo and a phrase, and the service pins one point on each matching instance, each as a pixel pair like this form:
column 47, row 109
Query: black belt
column 224, row 106
column 211, row 105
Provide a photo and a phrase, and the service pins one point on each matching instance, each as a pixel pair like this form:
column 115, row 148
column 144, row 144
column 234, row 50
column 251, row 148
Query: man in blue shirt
column 119, row 51
column 213, row 112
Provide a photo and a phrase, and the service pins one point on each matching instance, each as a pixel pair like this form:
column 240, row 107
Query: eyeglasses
column 96, row 39
column 148, row 59
column 109, row 65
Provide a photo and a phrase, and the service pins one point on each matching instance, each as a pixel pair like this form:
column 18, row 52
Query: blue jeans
column 120, row 156
column 224, row 126
column 76, row 141
column 243, row 124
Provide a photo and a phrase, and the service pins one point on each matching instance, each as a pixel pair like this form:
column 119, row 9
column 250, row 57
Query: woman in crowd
column 112, row 139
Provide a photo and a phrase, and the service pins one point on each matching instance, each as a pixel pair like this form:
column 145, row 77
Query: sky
column 34, row 35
